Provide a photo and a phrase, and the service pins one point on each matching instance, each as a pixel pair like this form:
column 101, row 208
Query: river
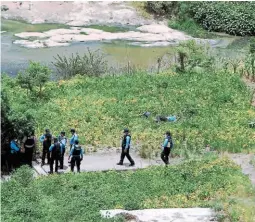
column 15, row 58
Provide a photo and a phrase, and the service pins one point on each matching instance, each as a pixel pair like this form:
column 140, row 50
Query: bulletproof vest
column 124, row 141
column 57, row 149
column 47, row 141
column 77, row 150
column 170, row 141
column 29, row 143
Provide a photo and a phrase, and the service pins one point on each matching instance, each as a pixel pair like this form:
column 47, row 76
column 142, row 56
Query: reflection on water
column 15, row 58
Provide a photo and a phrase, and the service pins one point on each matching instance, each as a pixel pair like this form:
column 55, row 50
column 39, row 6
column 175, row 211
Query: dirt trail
column 243, row 160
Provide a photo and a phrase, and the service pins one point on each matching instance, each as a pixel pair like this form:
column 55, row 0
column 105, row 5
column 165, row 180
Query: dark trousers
column 28, row 156
column 165, row 155
column 14, row 161
column 61, row 161
column 52, row 160
column 75, row 160
column 125, row 154
column 45, row 153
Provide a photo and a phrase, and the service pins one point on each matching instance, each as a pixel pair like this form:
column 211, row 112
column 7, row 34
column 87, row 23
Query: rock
column 164, row 215
column 4, row 8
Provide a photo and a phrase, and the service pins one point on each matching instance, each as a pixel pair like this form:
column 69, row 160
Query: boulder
column 4, row 8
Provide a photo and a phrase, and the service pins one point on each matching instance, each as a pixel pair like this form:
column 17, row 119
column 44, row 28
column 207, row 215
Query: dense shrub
column 235, row 18
column 69, row 197
column 167, row 8
column 92, row 63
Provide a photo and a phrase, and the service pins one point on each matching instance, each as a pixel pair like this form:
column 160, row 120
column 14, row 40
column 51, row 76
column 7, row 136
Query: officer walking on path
column 63, row 140
column 56, row 151
column 76, row 155
column 46, row 141
column 125, row 148
column 166, row 147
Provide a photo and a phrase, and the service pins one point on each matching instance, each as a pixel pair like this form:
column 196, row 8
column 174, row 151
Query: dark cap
column 168, row 133
column 76, row 142
column 47, row 130
column 62, row 132
column 72, row 130
column 55, row 140
column 126, row 130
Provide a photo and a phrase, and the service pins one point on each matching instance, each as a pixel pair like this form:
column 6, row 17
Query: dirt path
column 243, row 160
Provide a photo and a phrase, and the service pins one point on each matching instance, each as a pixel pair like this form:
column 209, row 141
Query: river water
column 15, row 58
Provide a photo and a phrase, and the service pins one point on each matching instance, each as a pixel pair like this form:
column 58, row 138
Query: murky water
column 15, row 58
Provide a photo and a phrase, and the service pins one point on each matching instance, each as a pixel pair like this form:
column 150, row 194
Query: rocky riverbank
column 74, row 13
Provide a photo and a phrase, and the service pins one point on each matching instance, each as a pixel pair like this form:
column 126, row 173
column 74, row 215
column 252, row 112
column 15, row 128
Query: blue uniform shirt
column 62, row 140
column 14, row 147
column 127, row 142
column 73, row 138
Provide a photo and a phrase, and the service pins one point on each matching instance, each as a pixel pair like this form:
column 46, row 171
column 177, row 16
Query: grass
column 21, row 26
column 209, row 182
column 191, row 28
column 214, row 108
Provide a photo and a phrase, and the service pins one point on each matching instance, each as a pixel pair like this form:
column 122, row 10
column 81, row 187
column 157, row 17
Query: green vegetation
column 210, row 182
column 99, row 108
column 235, row 18
column 19, row 26
column 36, row 75
column 191, row 28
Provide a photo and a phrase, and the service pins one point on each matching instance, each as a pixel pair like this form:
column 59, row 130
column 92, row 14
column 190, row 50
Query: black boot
column 132, row 164
column 119, row 163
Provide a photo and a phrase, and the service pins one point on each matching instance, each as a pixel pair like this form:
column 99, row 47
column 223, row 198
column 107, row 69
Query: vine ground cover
column 207, row 182
column 214, row 108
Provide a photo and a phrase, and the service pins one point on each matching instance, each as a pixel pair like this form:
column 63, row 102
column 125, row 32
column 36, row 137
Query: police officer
column 14, row 155
column 56, row 151
column 76, row 155
column 125, row 148
column 166, row 147
column 29, row 143
column 63, row 140
column 73, row 138
column 46, row 141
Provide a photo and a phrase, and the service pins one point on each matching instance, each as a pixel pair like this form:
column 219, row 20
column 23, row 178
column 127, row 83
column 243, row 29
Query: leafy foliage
column 13, row 124
column 235, row 18
column 91, row 64
column 195, row 183
column 99, row 109
column 36, row 75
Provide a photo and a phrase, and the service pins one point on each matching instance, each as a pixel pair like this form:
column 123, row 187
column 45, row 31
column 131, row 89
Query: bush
column 235, row 18
column 167, row 8
column 91, row 64
column 36, row 75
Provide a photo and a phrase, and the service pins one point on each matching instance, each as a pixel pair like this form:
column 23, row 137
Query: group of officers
column 54, row 149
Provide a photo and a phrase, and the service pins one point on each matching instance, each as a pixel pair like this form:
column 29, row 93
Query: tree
column 36, row 75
